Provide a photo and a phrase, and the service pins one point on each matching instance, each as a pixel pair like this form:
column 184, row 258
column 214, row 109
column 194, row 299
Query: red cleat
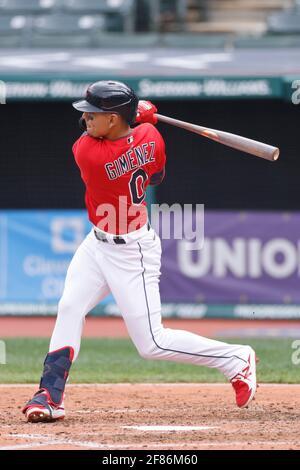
column 244, row 383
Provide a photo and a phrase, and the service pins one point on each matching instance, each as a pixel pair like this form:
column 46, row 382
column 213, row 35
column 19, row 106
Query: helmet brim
column 85, row 107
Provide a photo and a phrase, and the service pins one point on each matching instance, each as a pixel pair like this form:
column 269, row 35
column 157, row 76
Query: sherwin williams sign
column 162, row 88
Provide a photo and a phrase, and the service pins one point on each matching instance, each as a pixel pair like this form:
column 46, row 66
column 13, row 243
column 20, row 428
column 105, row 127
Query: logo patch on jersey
column 130, row 139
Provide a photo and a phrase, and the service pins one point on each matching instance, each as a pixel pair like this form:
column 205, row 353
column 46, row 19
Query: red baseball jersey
column 116, row 175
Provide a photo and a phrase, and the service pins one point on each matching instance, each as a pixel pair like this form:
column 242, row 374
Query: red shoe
column 244, row 383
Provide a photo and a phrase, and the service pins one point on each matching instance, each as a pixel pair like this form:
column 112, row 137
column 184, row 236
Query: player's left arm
column 160, row 163
column 157, row 178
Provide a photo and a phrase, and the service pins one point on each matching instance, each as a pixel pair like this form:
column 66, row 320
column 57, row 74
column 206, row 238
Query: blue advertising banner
column 36, row 248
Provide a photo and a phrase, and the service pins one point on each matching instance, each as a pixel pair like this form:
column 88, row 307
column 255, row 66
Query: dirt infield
column 108, row 417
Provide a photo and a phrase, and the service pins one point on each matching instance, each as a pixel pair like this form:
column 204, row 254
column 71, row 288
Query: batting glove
column 146, row 112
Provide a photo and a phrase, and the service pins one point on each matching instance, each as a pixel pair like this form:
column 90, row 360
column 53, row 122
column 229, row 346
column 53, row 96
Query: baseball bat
column 253, row 147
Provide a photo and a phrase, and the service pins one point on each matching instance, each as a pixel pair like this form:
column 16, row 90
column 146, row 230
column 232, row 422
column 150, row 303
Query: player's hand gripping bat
column 259, row 149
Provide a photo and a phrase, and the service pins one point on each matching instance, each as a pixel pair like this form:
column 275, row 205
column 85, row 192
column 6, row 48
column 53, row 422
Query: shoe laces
column 243, row 375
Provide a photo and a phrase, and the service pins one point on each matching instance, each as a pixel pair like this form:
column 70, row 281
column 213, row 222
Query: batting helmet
column 109, row 97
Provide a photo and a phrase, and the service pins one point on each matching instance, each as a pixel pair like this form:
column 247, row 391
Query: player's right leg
column 139, row 301
column 85, row 287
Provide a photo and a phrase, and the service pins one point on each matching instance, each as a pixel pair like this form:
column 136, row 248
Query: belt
column 117, row 239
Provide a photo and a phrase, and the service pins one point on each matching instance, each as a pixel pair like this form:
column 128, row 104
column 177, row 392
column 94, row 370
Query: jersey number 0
column 137, row 186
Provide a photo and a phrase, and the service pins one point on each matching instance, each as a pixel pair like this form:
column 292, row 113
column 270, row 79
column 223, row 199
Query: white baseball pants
column 131, row 273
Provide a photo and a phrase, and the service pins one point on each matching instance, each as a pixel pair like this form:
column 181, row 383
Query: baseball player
column 122, row 253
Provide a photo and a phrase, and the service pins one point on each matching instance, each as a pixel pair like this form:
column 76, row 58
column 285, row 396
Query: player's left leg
column 139, row 302
column 85, row 286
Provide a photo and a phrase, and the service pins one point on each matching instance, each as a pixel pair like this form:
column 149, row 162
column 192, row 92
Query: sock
column 56, row 371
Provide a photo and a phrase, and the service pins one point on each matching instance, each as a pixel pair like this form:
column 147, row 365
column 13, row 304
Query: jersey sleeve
column 160, row 158
column 158, row 171
column 77, row 143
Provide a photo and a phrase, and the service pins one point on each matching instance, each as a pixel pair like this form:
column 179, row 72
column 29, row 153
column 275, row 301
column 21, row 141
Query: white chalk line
column 28, row 446
column 50, row 441
column 71, row 442
column 111, row 446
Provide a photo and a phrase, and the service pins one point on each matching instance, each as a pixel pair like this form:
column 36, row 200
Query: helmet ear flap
column 134, row 109
column 82, row 124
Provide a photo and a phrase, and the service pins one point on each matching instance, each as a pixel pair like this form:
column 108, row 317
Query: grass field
column 116, row 360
